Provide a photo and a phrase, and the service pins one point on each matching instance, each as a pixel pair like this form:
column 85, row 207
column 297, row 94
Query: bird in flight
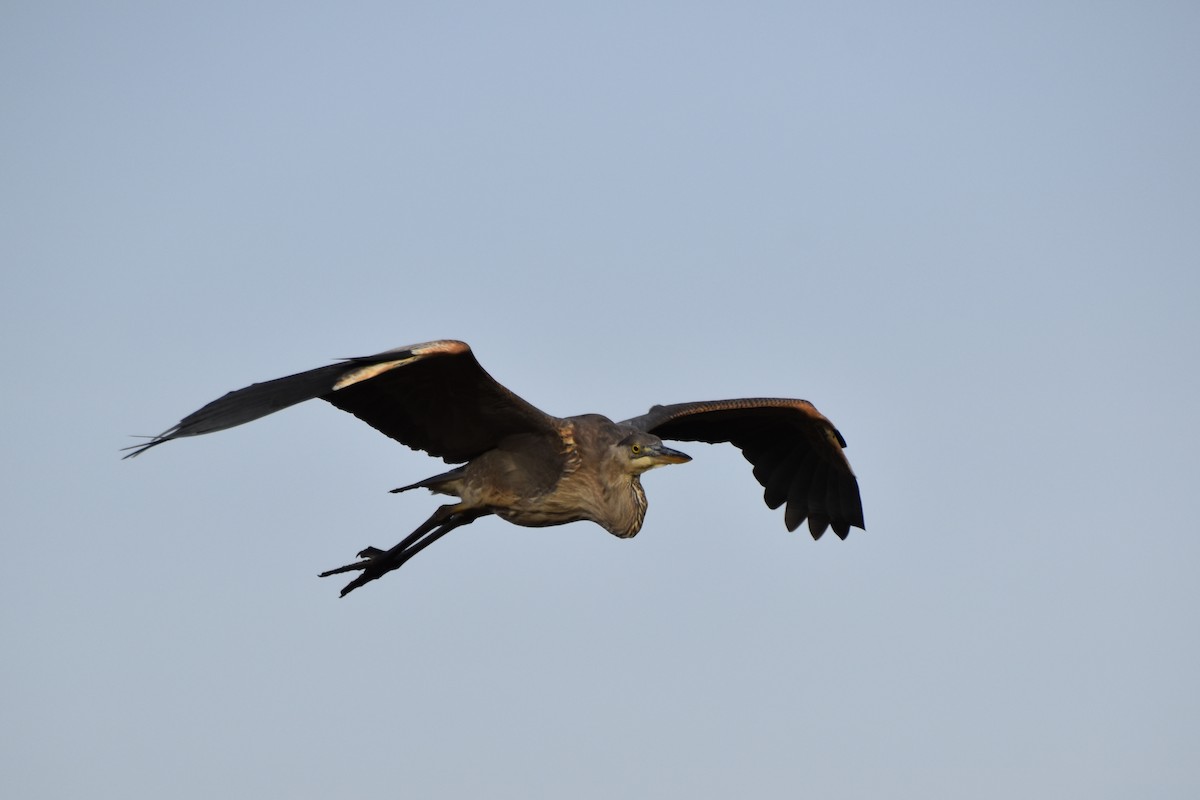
column 534, row 469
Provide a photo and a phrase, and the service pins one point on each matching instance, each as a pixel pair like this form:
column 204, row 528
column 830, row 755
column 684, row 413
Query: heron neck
column 626, row 508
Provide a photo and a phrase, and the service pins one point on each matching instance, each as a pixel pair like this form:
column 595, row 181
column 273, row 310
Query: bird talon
column 369, row 556
column 375, row 564
column 346, row 568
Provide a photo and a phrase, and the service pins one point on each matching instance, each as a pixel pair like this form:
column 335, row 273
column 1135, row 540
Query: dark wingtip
column 817, row 524
column 138, row 449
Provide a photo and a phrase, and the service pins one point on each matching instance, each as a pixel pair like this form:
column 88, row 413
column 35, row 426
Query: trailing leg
column 376, row 563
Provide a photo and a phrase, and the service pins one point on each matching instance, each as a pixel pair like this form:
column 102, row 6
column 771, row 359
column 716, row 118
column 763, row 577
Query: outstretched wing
column 796, row 453
column 433, row 397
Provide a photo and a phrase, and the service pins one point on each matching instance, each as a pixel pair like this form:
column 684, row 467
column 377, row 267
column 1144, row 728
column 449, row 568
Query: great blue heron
column 534, row 469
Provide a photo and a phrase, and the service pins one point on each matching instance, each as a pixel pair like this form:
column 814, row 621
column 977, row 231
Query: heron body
column 537, row 481
column 534, row 469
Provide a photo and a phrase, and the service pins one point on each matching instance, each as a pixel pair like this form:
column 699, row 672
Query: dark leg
column 376, row 563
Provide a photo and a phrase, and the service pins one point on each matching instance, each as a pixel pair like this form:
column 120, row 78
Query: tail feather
column 446, row 483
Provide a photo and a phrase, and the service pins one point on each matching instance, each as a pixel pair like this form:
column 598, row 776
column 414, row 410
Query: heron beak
column 665, row 455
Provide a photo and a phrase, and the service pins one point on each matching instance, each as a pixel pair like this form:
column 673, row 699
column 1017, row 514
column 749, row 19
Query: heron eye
column 635, row 449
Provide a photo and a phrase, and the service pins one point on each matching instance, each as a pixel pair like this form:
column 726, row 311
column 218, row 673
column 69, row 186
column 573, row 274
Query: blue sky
column 967, row 233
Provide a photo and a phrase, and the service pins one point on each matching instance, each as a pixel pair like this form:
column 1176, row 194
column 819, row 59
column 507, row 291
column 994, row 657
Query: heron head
column 642, row 451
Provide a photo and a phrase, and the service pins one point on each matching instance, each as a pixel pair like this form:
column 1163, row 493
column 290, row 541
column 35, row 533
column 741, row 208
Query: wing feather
column 795, row 451
column 433, row 397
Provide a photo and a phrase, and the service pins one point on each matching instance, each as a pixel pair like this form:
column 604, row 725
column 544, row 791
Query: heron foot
column 375, row 564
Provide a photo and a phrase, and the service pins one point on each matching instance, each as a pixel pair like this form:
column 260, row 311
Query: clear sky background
column 969, row 233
